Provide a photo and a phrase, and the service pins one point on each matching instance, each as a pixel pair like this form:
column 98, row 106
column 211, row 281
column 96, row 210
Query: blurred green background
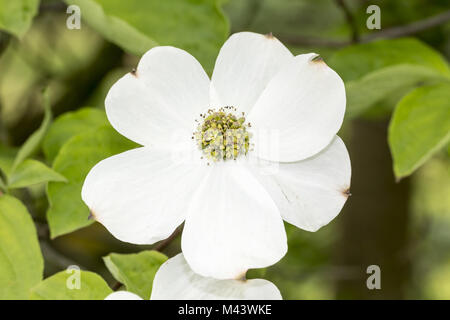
column 402, row 226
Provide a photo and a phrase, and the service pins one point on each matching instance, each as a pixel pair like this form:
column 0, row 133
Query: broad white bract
column 176, row 281
column 233, row 199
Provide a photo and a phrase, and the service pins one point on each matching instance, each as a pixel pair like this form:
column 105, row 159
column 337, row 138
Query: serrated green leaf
column 69, row 125
column 32, row 172
column 136, row 271
column 16, row 16
column 21, row 262
column 197, row 26
column 376, row 71
column 34, row 141
column 62, row 286
column 419, row 127
column 67, row 212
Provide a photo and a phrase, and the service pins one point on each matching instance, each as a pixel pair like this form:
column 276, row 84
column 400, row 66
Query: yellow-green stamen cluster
column 222, row 135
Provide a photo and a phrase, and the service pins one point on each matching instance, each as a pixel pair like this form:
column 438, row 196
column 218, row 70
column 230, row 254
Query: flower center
column 221, row 135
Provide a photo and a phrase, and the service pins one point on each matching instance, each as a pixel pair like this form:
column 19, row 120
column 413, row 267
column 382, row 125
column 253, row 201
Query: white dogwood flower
column 207, row 145
column 176, row 281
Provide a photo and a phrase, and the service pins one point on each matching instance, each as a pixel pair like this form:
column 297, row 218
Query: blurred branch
column 52, row 6
column 163, row 244
column 389, row 33
column 42, row 230
column 116, row 286
column 350, row 19
column 4, row 41
column 159, row 247
column 50, row 254
column 411, row 28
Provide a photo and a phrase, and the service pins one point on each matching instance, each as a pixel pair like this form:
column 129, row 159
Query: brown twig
column 389, row 33
column 163, row 244
column 159, row 247
column 411, row 28
column 116, row 286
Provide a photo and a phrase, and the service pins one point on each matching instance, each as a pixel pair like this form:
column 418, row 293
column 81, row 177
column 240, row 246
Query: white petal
column 246, row 63
column 176, row 281
column 310, row 193
column 303, row 106
column 232, row 225
column 166, row 93
column 123, row 295
column 141, row 195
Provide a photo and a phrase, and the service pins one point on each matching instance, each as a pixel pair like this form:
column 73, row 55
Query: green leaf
column 21, row 262
column 69, row 125
column 136, row 271
column 419, row 127
column 61, row 286
column 67, row 212
column 375, row 87
column 32, row 172
column 378, row 70
column 355, row 61
column 197, row 26
column 16, row 16
column 34, row 141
